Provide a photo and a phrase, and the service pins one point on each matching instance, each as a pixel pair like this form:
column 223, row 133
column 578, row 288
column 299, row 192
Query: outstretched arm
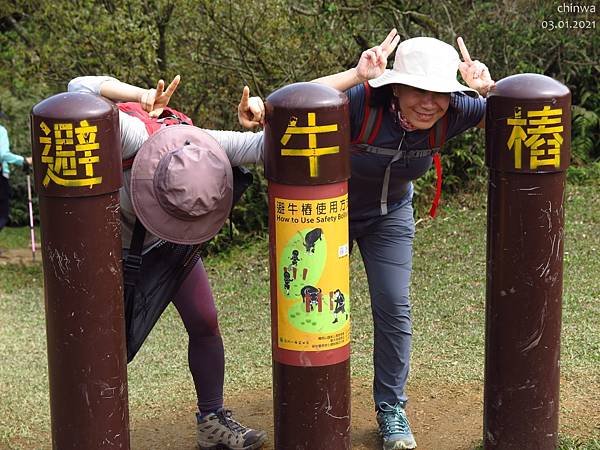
column 133, row 130
column 6, row 155
column 152, row 100
column 372, row 63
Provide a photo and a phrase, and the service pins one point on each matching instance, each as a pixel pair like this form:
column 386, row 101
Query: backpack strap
column 133, row 260
column 169, row 116
column 131, row 273
column 376, row 125
column 372, row 118
column 366, row 114
column 408, row 154
column 386, row 177
column 437, row 137
column 242, row 179
column 128, row 163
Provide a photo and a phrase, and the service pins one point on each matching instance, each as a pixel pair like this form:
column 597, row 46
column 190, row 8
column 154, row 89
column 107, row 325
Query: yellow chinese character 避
column 67, row 154
column 312, row 152
column 540, row 132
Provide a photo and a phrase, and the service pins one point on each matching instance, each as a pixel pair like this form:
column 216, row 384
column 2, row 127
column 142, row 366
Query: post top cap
column 307, row 95
column 74, row 105
column 529, row 86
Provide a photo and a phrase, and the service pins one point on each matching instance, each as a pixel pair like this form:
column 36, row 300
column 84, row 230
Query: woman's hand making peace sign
column 154, row 100
column 475, row 73
column 372, row 62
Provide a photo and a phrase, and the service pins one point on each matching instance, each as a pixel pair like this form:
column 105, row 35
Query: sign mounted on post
column 312, row 271
column 306, row 162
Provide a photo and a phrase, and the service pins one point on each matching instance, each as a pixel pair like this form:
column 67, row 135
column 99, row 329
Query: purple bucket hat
column 182, row 185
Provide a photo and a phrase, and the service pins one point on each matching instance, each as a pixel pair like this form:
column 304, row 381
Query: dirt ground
column 442, row 417
column 19, row 256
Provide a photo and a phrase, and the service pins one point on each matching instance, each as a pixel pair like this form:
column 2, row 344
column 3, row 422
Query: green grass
column 567, row 443
column 17, row 237
column 448, row 295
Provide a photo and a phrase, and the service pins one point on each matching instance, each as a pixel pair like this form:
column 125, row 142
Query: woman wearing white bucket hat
column 176, row 195
column 399, row 119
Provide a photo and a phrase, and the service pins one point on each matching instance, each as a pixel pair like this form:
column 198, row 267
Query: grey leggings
column 385, row 244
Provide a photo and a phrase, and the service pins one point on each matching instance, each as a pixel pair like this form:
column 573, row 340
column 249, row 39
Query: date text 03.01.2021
column 568, row 24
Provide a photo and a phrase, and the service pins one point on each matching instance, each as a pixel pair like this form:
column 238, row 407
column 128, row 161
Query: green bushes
column 218, row 46
column 19, row 207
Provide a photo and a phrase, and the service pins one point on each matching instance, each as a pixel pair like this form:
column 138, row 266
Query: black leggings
column 206, row 357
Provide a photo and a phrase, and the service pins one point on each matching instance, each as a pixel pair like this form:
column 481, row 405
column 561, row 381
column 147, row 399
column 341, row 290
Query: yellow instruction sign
column 312, row 260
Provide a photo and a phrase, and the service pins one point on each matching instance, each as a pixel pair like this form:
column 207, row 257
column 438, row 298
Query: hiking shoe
column 394, row 427
column 219, row 430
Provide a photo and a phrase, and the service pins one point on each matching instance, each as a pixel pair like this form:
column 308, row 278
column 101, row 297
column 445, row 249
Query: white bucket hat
column 425, row 63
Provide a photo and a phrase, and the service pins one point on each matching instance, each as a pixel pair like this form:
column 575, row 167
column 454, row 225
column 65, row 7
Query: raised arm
column 475, row 73
column 372, row 63
column 152, row 100
column 133, row 130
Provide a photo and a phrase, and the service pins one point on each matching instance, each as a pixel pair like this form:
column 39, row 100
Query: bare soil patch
column 443, row 417
column 19, row 256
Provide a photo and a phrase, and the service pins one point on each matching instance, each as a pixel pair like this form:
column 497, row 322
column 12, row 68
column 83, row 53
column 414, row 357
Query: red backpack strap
column 169, row 116
column 371, row 123
column 437, row 137
column 366, row 114
column 376, row 126
column 437, row 134
column 135, row 109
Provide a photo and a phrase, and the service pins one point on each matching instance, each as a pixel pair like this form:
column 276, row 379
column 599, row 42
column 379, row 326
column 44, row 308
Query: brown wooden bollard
column 77, row 163
column 306, row 162
column 528, row 136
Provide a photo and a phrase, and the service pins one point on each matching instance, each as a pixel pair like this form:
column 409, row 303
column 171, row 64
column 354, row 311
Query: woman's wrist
column 357, row 77
column 485, row 90
column 143, row 95
column 116, row 90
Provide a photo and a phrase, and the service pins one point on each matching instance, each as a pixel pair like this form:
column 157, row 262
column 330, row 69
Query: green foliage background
column 218, row 46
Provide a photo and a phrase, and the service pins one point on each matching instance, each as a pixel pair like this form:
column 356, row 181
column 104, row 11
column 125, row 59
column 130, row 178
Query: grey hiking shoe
column 394, row 427
column 220, row 431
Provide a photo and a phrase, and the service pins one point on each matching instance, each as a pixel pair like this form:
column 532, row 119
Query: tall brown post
column 306, row 162
column 528, row 135
column 77, row 162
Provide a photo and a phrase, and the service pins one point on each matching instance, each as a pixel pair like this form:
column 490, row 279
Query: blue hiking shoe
column 394, row 427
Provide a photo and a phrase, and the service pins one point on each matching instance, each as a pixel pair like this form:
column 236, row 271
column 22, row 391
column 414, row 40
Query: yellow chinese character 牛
column 312, row 152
